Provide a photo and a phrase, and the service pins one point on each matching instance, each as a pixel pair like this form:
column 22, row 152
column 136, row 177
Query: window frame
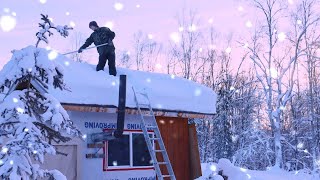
column 106, row 167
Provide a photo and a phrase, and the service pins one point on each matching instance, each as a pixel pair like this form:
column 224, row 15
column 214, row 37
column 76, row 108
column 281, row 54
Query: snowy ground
column 210, row 171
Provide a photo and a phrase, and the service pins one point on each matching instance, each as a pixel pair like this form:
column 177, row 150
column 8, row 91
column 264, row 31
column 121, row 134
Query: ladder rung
column 151, row 127
column 162, row 163
column 144, row 104
column 166, row 176
column 154, row 138
column 159, row 150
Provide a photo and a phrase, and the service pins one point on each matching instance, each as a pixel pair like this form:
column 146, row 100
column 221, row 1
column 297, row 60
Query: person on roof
column 102, row 35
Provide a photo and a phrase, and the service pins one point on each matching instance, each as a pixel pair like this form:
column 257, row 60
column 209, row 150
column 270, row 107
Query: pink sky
column 156, row 17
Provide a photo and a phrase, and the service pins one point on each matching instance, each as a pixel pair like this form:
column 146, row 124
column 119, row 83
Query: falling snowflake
column 14, row 14
column 273, row 73
column 4, row 150
column 282, row 36
column 138, row 6
column 181, row 29
column 148, row 80
column 26, row 130
column 42, row 1
column 228, row 50
column 113, row 83
column 290, row 1
column 200, row 49
column 300, row 145
column 109, row 24
column 67, row 13
column 66, row 63
column 20, row 110
column 158, row 66
column 118, row 6
column 210, row 20
column 53, row 55
column 240, row 8
column 249, row 24
column 172, row 76
column 150, row 36
column 213, row 167
column 175, row 37
column 15, row 100
column 192, row 28
column 72, row 24
column 299, row 22
column 7, row 23
column 84, row 136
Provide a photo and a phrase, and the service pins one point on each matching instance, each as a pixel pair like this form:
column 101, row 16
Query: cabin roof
column 167, row 93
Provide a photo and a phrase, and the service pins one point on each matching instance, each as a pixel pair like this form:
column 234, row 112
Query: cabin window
column 141, row 156
column 128, row 151
column 119, row 152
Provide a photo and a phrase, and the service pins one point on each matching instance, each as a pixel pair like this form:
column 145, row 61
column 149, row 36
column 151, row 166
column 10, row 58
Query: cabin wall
column 175, row 134
column 174, row 131
column 96, row 168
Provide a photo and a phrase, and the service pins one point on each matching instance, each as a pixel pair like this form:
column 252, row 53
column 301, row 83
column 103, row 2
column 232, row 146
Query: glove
column 80, row 50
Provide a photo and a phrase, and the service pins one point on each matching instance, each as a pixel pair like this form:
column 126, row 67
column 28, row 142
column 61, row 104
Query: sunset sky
column 155, row 17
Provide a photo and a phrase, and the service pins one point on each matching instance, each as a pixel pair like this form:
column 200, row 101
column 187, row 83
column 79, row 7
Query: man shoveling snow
column 102, row 37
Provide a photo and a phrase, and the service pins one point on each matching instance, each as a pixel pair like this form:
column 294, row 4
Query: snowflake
column 109, row 24
column 249, row 24
column 7, row 23
column 228, row 50
column 273, row 73
column 15, row 100
column 240, row 8
column 192, row 28
column 282, row 36
column 42, row 1
column 72, row 24
column 118, row 6
column 158, row 66
column 150, row 36
column 300, row 145
column 53, row 55
column 175, row 37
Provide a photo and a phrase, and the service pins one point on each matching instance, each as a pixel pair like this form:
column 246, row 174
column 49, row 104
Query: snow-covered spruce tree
column 30, row 119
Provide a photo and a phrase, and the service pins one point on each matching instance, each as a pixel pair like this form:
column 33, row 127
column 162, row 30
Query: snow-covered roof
column 166, row 92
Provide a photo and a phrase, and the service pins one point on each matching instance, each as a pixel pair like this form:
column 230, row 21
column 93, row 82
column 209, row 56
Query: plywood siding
column 175, row 134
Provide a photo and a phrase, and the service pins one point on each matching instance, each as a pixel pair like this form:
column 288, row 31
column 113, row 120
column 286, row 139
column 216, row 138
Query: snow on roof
column 166, row 92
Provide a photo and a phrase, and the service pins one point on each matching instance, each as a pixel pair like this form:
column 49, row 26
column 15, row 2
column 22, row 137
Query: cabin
column 92, row 101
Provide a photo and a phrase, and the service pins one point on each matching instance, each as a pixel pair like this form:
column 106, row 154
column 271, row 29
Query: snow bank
column 211, row 171
column 166, row 92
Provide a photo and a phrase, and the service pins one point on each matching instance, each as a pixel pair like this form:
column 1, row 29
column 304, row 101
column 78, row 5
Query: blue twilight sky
column 155, row 17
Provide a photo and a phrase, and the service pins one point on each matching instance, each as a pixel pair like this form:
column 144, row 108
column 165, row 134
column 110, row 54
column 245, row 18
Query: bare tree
column 275, row 66
column 186, row 47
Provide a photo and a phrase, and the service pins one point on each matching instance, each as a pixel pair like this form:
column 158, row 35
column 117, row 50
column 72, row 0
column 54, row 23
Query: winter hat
column 93, row 23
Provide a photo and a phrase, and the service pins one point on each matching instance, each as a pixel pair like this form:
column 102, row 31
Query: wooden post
column 195, row 165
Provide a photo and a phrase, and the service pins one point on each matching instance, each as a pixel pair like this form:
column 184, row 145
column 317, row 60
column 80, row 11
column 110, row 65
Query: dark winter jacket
column 101, row 36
